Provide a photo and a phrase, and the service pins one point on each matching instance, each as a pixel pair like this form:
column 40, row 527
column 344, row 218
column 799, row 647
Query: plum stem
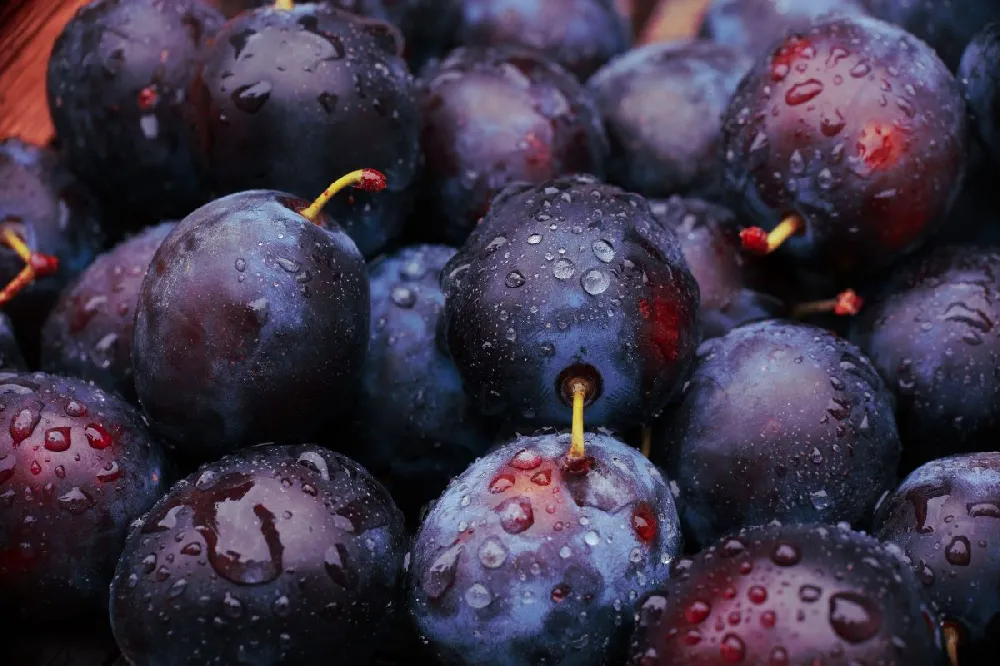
column 758, row 241
column 363, row 179
column 576, row 449
column 36, row 265
column 284, row 4
column 646, row 446
column 952, row 639
column 845, row 304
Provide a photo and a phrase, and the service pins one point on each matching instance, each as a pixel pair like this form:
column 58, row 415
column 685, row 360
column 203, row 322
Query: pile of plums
column 395, row 332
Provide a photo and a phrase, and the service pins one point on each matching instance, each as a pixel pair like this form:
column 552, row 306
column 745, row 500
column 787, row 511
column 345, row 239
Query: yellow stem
column 647, row 441
column 354, row 178
column 15, row 243
column 787, row 228
column 284, row 4
column 576, row 450
column 952, row 639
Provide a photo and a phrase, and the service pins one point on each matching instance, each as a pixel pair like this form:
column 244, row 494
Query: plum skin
column 275, row 554
column 77, row 466
column 264, row 340
column 800, row 414
column 520, row 555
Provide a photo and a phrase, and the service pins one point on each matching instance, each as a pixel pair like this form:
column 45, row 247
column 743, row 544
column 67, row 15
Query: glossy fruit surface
column 89, row 332
column 727, row 277
column 979, row 76
column 779, row 421
column 660, row 156
column 947, row 26
column 118, row 81
column 784, row 595
column 55, row 215
column 753, row 26
column 858, row 129
column 416, row 428
column 570, row 279
column 274, row 555
column 252, row 326
column 580, row 35
column 77, row 465
column 944, row 517
column 931, row 331
column 496, row 116
column 292, row 100
column 524, row 560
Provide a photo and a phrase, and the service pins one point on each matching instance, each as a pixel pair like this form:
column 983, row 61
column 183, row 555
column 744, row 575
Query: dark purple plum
column 117, row 82
column 932, row 332
column 291, row 99
column 580, row 35
column 492, row 117
column 979, row 76
column 852, row 134
column 783, row 595
column 273, row 555
column 661, row 105
column 944, row 517
column 11, row 359
column 55, row 215
column 753, row 26
column 571, row 281
column 527, row 559
column 946, row 25
column 729, row 281
column 251, row 326
column 779, row 421
column 89, row 332
column 416, row 428
column 77, row 465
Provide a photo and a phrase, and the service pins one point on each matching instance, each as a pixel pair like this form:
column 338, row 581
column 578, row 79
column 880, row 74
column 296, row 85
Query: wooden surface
column 28, row 29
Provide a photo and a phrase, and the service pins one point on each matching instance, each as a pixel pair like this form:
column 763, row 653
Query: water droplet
column 75, row 501
column 97, row 436
column 534, row 239
column 57, row 439
column 732, row 649
column 510, row 334
column 501, row 483
column 697, row 612
column 288, row 265
column 441, row 575
column 796, row 164
column 110, row 472
column 958, row 552
column 328, row 101
column 801, row 93
column 403, row 297
column 820, row 500
column 854, row 617
column 514, row 280
column 809, row 593
column 644, row 522
column 516, row 515
column 241, row 264
column 565, row 552
column 526, row 459
column 251, row 98
column 478, row 596
column 193, row 549
column 23, row 424
column 983, row 510
column 492, row 553
column 542, row 478
column 232, row 606
column 861, row 69
column 74, row 408
column 603, row 250
column 563, row 268
column 314, row 461
column 595, row 282
column 786, row 555
column 494, row 245
column 338, row 567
